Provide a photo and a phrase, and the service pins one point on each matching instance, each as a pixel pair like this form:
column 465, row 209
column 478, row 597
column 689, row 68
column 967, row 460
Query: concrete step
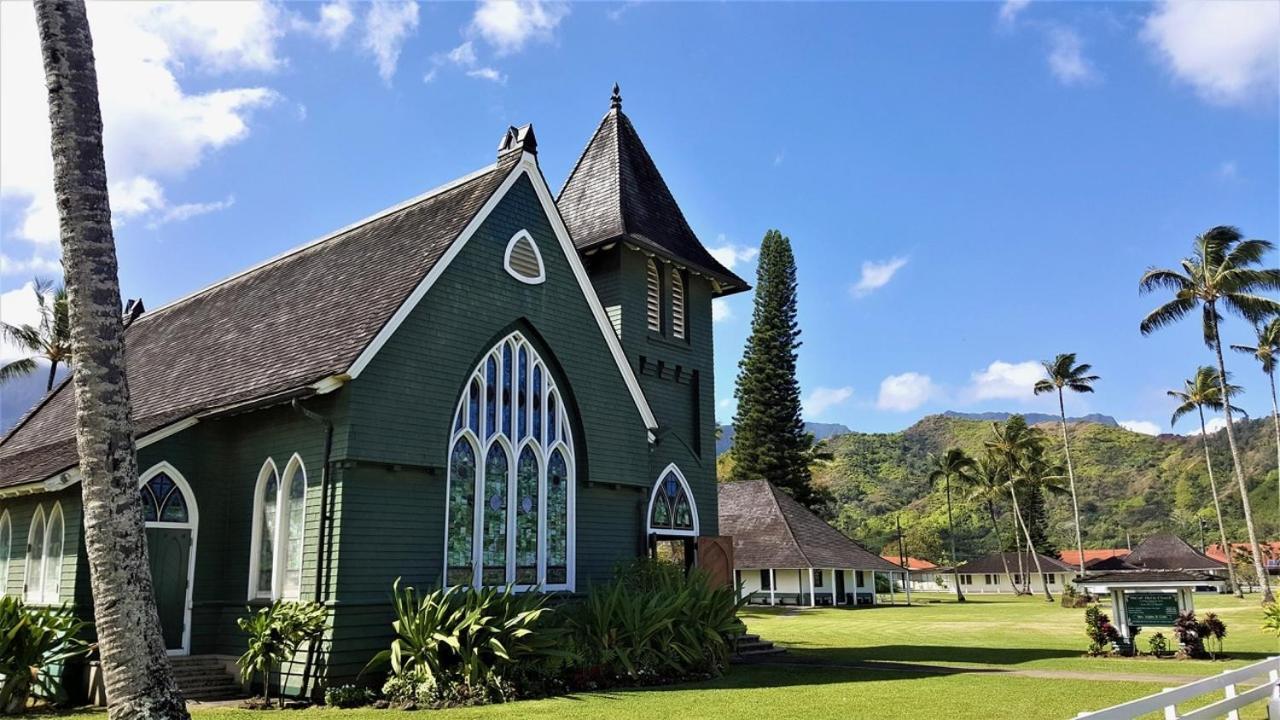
column 745, row 647
column 203, row 678
column 750, row 655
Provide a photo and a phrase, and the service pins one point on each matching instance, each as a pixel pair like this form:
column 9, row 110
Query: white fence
column 1265, row 676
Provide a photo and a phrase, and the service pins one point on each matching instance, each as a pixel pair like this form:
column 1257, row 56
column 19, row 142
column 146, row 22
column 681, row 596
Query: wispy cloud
column 1228, row 170
column 1146, row 427
column 876, row 275
column 720, row 310
column 904, row 392
column 34, row 265
column 488, row 73
column 1066, row 57
column 186, row 211
column 331, row 23
column 508, row 25
column 1010, row 10
column 730, row 255
column 823, row 399
column 1212, row 426
column 1225, row 50
column 387, row 26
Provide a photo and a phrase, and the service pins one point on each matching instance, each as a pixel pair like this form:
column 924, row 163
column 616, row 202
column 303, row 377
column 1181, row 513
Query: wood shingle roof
column 993, row 564
column 615, row 193
column 277, row 328
column 772, row 530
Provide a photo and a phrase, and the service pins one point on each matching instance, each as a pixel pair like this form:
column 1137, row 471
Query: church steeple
column 615, row 193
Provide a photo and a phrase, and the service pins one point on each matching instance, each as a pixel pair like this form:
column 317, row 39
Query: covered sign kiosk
column 1141, row 598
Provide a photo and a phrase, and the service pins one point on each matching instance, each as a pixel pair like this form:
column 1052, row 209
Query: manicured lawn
column 988, row 635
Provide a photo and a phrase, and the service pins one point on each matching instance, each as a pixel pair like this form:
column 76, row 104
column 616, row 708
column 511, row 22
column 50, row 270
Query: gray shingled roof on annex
column 993, row 564
column 1169, row 552
column 772, row 530
column 1148, row 577
column 615, row 192
column 293, row 321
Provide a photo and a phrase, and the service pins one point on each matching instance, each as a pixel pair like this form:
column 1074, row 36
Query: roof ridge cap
column 333, row 235
column 786, row 522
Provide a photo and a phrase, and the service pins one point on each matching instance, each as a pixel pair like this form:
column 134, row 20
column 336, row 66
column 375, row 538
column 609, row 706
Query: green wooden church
column 485, row 384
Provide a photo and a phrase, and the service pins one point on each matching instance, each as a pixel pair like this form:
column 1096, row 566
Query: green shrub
column 412, row 688
column 275, row 634
column 348, row 696
column 480, row 639
column 34, row 642
column 1158, row 644
column 1100, row 631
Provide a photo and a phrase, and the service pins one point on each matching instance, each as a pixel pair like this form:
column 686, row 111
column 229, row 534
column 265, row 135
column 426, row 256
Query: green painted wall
column 21, row 511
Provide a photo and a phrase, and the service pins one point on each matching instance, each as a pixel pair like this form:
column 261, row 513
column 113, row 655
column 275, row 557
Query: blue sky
column 969, row 187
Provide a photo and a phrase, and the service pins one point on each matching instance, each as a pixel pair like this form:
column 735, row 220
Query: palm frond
column 1156, row 278
column 24, row 336
column 1247, row 252
column 17, row 368
column 1167, row 314
column 1254, row 308
column 1044, row 386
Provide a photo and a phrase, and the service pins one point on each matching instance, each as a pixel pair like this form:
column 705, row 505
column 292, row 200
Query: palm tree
column 138, row 679
column 1021, row 452
column 954, row 464
column 49, row 339
column 1221, row 274
column 987, row 479
column 1266, row 352
column 1200, row 392
column 1064, row 373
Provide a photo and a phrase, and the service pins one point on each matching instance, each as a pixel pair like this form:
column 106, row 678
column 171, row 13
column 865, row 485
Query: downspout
column 326, row 518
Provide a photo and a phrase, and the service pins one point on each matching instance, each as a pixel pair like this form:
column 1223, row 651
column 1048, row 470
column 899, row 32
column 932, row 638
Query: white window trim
column 481, row 450
column 294, row 471
column 6, row 537
column 192, row 524
column 653, row 494
column 506, row 260
column 45, row 597
column 279, row 550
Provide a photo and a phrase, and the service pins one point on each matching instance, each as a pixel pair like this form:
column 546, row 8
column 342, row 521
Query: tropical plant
column 1271, row 618
column 34, row 642
column 953, row 465
column 275, row 634
column 1099, row 630
column 987, row 480
column 770, row 441
column 1205, row 390
column 1063, row 373
column 1158, row 644
column 48, row 339
column 473, row 637
column 1222, row 274
column 1266, row 352
column 1216, row 630
column 136, row 673
column 348, row 696
column 1193, row 634
column 1021, row 450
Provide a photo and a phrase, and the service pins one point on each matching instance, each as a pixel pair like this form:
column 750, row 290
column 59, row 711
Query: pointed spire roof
column 615, row 192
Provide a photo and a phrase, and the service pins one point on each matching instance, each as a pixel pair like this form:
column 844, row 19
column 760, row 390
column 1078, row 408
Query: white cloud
column 488, row 73
column 720, row 310
column 1146, row 427
column 334, row 21
column 153, row 128
column 464, row 54
column 1212, row 426
column 1005, row 381
column 1066, row 57
column 18, row 307
column 387, row 26
column 35, row 265
column 186, row 211
column 730, row 255
column 1225, row 50
column 1228, row 170
column 823, row 399
column 904, row 392
column 509, row 24
column 876, row 275
column 1010, row 10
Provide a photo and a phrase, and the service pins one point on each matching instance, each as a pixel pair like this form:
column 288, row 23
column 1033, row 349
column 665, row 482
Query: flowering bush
column 1101, row 632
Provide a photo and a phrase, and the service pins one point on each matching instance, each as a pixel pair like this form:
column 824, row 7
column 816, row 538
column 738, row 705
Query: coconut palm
column 1266, row 352
column 1063, row 373
column 138, row 680
column 953, row 465
column 986, row 485
column 1020, row 449
column 1222, row 274
column 49, row 339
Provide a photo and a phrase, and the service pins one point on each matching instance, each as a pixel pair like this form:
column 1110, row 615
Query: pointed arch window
column 510, row 487
column 523, row 260
column 44, row 556
column 677, row 304
column 6, row 549
column 672, row 509
column 279, row 529
column 653, row 296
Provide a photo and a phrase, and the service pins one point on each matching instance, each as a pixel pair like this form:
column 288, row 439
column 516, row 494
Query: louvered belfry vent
column 523, row 260
column 677, row 305
column 653, row 300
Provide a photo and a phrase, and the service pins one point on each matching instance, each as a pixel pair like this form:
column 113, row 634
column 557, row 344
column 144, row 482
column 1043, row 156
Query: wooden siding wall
column 21, row 511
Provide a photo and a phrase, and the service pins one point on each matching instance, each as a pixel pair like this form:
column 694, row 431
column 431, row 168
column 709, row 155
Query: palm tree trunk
column 1263, row 580
column 1031, row 548
column 1217, row 509
column 1071, row 477
column 53, row 371
column 1017, row 549
column 138, row 680
column 951, row 532
column 1004, row 560
column 1275, row 420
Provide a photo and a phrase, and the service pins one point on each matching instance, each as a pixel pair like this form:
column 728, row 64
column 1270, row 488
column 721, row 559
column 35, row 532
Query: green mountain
column 1130, row 485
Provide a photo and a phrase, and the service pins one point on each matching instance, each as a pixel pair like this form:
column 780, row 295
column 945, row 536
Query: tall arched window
column 44, row 556
column 677, row 304
column 279, row 526
column 653, row 296
column 509, row 515
column 6, row 548
column 672, row 510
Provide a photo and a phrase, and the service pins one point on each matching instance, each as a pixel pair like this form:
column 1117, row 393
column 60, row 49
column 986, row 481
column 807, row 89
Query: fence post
column 1273, row 703
column 1170, row 711
column 1230, row 692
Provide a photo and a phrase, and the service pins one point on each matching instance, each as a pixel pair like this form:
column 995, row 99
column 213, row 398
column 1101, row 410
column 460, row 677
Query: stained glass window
column 495, row 515
column 162, row 500
column 53, row 556
column 6, row 549
column 523, row 523
column 671, row 507
column 473, row 414
column 296, row 520
column 35, row 558
column 462, row 493
column 267, row 535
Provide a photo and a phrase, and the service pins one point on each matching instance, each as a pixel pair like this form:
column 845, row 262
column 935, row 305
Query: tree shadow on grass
column 926, row 653
column 754, row 676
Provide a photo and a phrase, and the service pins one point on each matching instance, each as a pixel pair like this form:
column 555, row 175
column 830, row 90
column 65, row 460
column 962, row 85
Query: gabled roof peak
column 518, row 138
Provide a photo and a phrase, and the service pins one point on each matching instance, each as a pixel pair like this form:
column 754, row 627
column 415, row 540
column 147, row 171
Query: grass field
column 1008, row 658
